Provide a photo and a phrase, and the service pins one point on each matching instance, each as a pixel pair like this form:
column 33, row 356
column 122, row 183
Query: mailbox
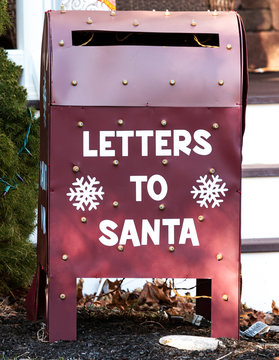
column 142, row 116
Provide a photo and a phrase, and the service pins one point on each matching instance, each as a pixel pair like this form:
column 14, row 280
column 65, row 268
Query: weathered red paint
column 99, row 101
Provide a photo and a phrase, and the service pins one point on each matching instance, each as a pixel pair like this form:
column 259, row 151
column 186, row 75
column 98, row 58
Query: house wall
column 261, row 20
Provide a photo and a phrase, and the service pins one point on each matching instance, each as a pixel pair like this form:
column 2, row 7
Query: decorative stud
column 89, row 21
column 120, row 122
column 115, row 204
column 61, row 43
column 83, row 220
column 201, row 218
column 212, row 171
column 115, row 162
column 219, row 257
column 164, row 122
column 221, row 82
column 80, row 124
column 62, row 9
column 162, row 207
column 120, row 248
column 215, row 13
column 62, row 296
column 125, row 82
column 229, row 46
column 165, row 162
column 215, row 126
column 74, row 83
column 225, row 297
column 64, row 257
column 167, row 13
column 135, row 22
column 171, row 249
column 112, row 13
column 172, row 82
column 193, row 23
column 75, row 169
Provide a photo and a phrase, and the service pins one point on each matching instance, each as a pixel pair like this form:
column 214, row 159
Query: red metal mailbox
column 141, row 132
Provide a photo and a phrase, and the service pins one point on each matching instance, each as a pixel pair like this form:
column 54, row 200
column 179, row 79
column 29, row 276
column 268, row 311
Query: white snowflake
column 86, row 193
column 209, row 191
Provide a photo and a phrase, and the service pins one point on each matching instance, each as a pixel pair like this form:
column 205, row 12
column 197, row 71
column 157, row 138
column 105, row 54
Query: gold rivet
column 171, row 249
column 61, row 43
column 74, row 83
column 125, row 82
column 64, row 257
column 62, row 296
column 193, row 23
column 219, row 257
column 212, row 171
column 225, row 297
column 164, row 122
column 80, row 124
column 215, row 126
column 120, row 248
column 120, row 122
column 112, row 13
column 167, row 13
column 83, row 219
column 201, row 218
column 229, row 46
column 221, row 82
column 115, row 204
column 162, row 207
column 165, row 162
column 115, row 162
column 172, row 82
column 75, row 169
column 62, row 9
column 89, row 21
column 135, row 22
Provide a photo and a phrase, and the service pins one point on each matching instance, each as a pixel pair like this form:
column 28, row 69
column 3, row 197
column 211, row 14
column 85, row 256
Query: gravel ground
column 111, row 336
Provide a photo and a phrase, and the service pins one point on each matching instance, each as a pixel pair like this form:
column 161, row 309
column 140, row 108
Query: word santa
column 178, row 230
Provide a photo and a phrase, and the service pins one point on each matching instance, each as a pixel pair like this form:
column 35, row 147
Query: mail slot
column 142, row 116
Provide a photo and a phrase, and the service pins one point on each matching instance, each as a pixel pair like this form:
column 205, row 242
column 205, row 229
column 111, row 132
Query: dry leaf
column 275, row 308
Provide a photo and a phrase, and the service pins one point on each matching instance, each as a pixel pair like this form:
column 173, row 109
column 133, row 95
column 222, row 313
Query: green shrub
column 17, row 207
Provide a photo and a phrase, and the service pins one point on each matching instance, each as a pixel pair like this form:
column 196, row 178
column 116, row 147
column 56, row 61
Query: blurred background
column 260, row 170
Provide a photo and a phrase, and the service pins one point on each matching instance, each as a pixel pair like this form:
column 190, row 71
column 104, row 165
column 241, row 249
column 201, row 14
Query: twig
column 153, row 322
column 19, row 356
column 223, row 357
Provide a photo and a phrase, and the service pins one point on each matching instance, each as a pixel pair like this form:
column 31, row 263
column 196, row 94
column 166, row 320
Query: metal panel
column 99, row 71
column 217, row 234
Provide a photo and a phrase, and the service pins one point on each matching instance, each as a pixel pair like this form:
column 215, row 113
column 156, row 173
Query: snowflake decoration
column 86, row 193
column 209, row 191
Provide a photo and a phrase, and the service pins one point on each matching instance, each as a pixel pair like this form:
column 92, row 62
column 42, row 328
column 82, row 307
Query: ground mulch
column 109, row 334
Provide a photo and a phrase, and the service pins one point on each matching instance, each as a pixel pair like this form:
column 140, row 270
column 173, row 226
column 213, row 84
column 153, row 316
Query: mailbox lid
column 203, row 76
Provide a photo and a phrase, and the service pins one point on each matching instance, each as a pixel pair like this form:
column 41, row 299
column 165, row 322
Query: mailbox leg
column 61, row 317
column 225, row 305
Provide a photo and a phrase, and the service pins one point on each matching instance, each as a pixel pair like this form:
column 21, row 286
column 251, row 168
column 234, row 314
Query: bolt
column 120, row 248
column 162, row 207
